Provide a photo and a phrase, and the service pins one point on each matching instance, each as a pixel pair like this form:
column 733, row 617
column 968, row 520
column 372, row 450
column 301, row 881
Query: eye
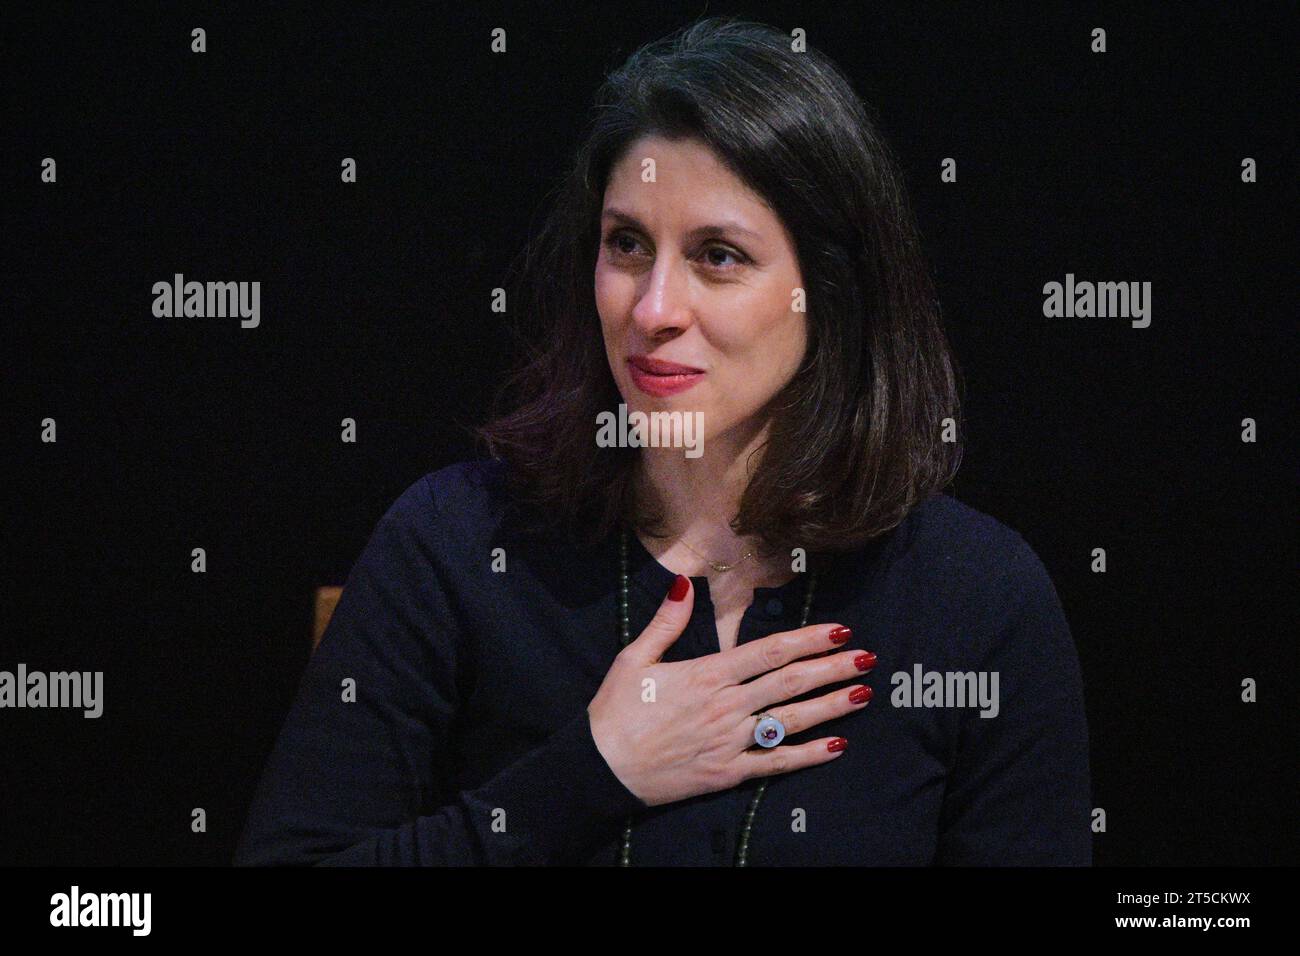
column 623, row 244
column 740, row 257
column 614, row 242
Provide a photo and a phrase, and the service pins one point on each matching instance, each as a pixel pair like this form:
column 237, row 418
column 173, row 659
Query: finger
column 758, row 657
column 768, row 763
column 800, row 677
column 667, row 624
column 797, row 718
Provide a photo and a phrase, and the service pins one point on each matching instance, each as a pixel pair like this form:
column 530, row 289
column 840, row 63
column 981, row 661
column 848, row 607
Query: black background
column 224, row 166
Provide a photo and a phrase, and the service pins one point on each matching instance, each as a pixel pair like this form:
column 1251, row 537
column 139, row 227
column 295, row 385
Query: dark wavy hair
column 855, row 438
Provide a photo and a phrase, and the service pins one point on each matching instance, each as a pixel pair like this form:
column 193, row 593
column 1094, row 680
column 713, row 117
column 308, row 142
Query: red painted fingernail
column 860, row 695
column 680, row 586
column 836, row 745
column 840, row 635
column 864, row 662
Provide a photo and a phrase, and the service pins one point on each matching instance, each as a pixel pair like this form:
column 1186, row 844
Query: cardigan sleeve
column 359, row 773
column 1018, row 793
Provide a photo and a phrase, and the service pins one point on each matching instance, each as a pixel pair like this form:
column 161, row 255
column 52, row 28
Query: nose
column 664, row 302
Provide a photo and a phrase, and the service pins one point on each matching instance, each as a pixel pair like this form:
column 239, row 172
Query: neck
column 698, row 497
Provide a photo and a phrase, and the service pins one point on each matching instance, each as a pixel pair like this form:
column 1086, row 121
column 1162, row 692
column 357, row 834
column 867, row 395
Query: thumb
column 667, row 624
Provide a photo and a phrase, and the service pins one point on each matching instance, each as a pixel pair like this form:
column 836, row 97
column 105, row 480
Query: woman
column 653, row 654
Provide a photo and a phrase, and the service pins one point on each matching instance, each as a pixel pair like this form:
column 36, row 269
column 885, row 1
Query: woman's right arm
column 365, row 743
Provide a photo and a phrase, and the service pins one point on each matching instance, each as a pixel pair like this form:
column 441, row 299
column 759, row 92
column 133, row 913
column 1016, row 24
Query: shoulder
column 975, row 560
column 461, row 495
column 958, row 531
column 468, row 493
column 458, row 506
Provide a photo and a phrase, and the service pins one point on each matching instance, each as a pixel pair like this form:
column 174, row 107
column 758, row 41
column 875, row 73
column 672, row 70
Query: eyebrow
column 711, row 231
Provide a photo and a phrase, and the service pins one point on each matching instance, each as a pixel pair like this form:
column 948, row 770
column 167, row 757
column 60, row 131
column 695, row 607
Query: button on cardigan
column 442, row 719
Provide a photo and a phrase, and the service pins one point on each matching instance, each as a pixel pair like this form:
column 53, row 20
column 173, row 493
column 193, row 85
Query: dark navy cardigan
column 466, row 739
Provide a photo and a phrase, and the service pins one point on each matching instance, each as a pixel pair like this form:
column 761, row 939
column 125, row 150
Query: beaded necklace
column 742, row 847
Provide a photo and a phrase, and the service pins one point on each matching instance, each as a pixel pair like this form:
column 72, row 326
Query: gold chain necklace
column 716, row 566
column 625, row 637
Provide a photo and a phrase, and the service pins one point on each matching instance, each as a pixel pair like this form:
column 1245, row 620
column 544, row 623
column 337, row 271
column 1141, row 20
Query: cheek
column 788, row 327
column 610, row 297
column 770, row 328
column 769, row 351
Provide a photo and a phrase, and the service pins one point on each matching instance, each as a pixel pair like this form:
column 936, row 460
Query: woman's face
column 695, row 269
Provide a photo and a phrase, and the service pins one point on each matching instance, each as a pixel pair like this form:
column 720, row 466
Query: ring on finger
column 769, row 731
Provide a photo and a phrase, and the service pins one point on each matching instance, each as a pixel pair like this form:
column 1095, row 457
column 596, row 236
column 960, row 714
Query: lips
column 659, row 378
column 653, row 366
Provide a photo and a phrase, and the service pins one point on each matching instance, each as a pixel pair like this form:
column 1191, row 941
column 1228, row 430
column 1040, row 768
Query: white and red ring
column 769, row 731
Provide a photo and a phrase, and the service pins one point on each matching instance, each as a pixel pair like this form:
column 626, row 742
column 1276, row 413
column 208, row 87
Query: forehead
column 682, row 168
